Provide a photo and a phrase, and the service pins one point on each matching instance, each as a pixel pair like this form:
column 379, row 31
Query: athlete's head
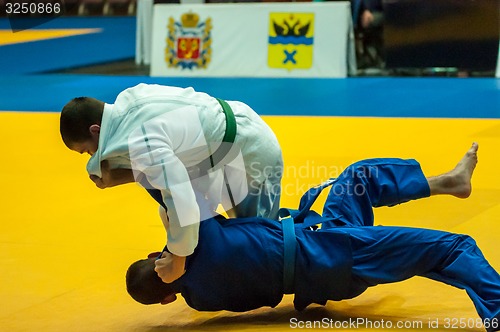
column 80, row 124
column 145, row 286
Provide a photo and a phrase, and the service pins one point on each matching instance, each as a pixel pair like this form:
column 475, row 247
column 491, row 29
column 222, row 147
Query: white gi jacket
column 160, row 132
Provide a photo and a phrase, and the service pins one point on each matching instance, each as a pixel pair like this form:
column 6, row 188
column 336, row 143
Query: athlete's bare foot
column 456, row 182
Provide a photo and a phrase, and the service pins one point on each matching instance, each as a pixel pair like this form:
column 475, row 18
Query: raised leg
column 372, row 183
column 387, row 182
column 392, row 254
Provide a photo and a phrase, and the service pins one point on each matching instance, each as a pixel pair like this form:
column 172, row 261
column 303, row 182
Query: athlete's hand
column 111, row 178
column 98, row 181
column 170, row 267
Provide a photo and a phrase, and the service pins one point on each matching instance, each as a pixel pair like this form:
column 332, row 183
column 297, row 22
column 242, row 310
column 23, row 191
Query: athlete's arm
column 112, row 177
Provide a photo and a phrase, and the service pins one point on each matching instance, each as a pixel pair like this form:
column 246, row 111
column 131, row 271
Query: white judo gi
column 163, row 133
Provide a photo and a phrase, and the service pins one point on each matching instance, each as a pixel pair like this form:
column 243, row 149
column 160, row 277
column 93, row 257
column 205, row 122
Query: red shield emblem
column 188, row 48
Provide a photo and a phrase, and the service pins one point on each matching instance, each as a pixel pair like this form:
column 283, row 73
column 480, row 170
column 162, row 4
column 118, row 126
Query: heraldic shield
column 291, row 40
column 188, row 42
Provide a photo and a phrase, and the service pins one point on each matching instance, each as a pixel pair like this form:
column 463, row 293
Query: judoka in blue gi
column 246, row 263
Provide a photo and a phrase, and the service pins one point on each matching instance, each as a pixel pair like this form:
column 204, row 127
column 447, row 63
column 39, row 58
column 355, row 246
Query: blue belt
column 290, row 247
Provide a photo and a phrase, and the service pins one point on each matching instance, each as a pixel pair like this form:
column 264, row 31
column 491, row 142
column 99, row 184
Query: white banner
column 253, row 40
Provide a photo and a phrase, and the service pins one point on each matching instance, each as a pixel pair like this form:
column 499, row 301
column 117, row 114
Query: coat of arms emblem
column 189, row 42
column 291, row 40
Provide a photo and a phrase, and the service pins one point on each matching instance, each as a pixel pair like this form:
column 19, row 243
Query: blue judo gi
column 246, row 263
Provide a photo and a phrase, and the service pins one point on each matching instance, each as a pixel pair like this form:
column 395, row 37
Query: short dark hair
column 76, row 118
column 144, row 284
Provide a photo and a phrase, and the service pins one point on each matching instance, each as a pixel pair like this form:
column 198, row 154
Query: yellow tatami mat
column 65, row 245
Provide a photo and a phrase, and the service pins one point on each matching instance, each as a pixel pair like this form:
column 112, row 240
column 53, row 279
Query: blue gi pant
column 390, row 254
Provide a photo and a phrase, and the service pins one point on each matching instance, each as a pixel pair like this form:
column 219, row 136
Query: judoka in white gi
column 197, row 150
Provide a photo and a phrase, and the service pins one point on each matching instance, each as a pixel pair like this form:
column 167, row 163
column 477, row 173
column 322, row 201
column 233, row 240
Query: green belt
column 229, row 136
column 230, row 122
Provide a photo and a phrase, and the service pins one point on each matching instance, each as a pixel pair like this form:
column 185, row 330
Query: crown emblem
column 190, row 20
